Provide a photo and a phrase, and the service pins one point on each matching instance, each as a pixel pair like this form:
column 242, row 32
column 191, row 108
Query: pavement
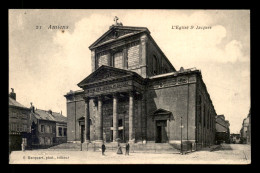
column 225, row 154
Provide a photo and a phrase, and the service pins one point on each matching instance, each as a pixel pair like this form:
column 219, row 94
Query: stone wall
column 206, row 111
column 75, row 110
column 178, row 99
column 152, row 50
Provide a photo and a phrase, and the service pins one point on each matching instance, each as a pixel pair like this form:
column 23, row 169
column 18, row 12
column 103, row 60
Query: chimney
column 12, row 94
column 32, row 108
column 61, row 112
column 50, row 112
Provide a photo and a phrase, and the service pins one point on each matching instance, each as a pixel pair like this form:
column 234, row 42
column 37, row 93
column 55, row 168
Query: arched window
column 118, row 60
column 155, row 66
column 102, row 59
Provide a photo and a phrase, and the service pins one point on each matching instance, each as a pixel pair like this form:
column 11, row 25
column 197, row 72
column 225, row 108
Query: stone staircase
column 134, row 148
column 154, row 148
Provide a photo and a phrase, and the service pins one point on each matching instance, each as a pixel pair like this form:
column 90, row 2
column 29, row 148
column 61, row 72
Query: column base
column 131, row 141
column 98, row 141
column 114, row 144
column 139, row 142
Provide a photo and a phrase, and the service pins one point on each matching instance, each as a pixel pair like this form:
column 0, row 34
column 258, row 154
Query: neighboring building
column 61, row 128
column 135, row 94
column 19, row 124
column 222, row 130
column 46, row 128
column 234, row 138
column 245, row 131
column 249, row 128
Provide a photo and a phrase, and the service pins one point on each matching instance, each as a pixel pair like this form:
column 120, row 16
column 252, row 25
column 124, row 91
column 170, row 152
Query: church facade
column 135, row 94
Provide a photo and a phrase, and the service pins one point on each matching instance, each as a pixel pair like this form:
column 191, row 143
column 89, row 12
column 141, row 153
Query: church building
column 135, row 94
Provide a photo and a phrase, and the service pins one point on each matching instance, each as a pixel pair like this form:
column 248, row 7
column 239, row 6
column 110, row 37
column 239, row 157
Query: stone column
column 143, row 58
column 87, row 124
column 99, row 127
column 125, row 58
column 144, row 119
column 93, row 60
column 131, row 117
column 115, row 117
column 139, row 121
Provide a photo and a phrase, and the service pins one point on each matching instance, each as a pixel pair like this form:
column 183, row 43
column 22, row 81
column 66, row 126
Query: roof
column 185, row 71
column 13, row 102
column 125, row 32
column 73, row 92
column 58, row 117
column 106, row 37
column 45, row 115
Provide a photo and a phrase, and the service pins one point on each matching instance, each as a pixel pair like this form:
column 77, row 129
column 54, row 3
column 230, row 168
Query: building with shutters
column 222, row 130
column 19, row 124
column 245, row 131
column 135, row 94
column 48, row 128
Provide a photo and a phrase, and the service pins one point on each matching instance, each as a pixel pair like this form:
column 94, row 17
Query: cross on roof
column 116, row 19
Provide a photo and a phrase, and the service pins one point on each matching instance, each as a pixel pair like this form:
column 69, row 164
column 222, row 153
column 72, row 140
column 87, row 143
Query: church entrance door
column 82, row 132
column 120, row 135
column 161, row 134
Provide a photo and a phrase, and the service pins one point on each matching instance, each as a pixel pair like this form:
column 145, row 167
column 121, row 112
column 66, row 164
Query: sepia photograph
column 129, row 86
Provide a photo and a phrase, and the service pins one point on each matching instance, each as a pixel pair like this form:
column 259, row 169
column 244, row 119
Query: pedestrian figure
column 103, row 147
column 127, row 147
column 119, row 149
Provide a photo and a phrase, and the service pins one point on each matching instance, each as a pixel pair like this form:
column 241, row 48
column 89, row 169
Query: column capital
column 144, row 38
column 100, row 97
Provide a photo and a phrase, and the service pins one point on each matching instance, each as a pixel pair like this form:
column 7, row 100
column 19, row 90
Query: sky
column 45, row 64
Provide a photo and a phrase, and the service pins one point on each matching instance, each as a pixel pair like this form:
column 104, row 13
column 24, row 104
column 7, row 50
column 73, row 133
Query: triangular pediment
column 105, row 73
column 117, row 33
column 160, row 112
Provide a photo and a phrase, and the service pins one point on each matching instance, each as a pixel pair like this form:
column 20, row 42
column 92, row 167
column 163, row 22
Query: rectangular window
column 19, row 127
column 42, row 128
column 14, row 127
column 120, row 123
column 155, row 68
column 65, row 132
column 132, row 57
column 207, row 119
column 47, row 129
column 24, row 116
column 24, row 127
column 102, row 60
column 60, row 131
column 199, row 109
column 11, row 127
column 204, row 116
column 41, row 139
column 14, row 115
column 118, row 60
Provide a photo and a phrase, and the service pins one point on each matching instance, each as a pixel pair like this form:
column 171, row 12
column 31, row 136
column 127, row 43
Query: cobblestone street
column 227, row 154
